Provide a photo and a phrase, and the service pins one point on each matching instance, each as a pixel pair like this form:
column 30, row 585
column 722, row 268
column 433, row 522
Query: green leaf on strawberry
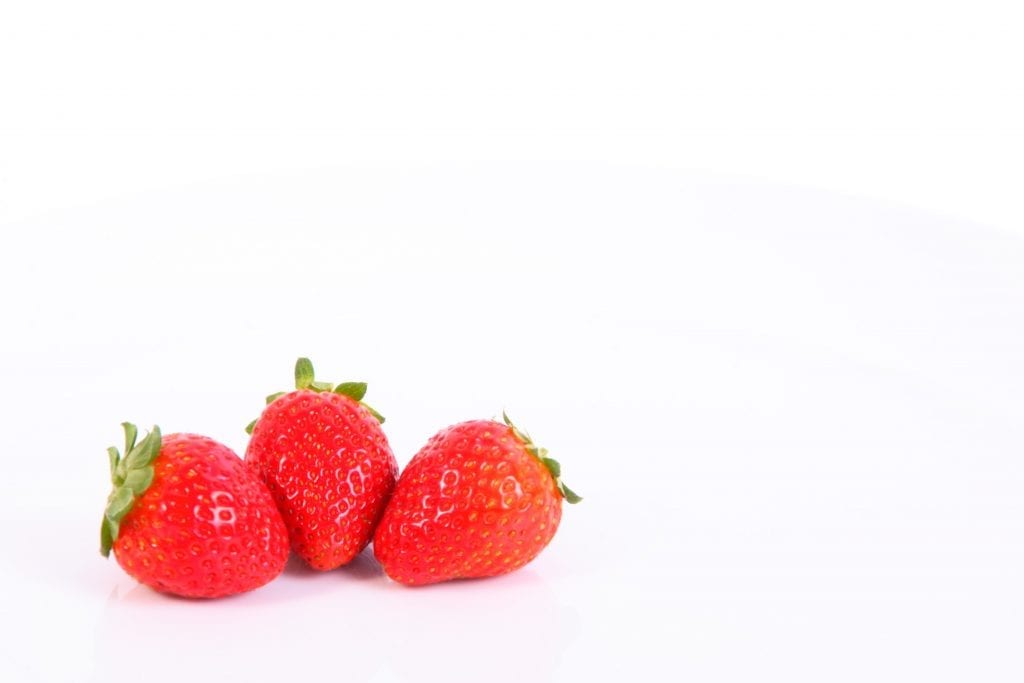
column 131, row 476
column 354, row 390
column 305, row 378
column 541, row 454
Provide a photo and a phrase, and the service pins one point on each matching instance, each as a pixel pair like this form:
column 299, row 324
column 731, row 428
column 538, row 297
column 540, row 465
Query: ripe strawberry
column 480, row 499
column 327, row 463
column 187, row 517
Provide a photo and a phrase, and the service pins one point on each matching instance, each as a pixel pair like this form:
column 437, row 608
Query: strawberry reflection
column 351, row 624
column 508, row 628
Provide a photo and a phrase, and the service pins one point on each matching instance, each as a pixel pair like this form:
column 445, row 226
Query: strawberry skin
column 478, row 500
column 328, row 465
column 202, row 527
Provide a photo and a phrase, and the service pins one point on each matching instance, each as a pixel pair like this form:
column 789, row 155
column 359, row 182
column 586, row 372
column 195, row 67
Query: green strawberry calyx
column 131, row 475
column 542, row 454
column 306, row 379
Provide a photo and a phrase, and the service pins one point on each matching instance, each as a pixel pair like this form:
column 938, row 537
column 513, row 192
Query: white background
column 754, row 272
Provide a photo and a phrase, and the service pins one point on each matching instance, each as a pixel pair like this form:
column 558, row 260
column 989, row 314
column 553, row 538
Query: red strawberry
column 186, row 516
column 327, row 463
column 480, row 499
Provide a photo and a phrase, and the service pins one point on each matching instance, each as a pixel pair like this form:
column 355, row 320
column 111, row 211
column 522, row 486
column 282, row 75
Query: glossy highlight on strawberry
column 328, row 465
column 187, row 517
column 480, row 499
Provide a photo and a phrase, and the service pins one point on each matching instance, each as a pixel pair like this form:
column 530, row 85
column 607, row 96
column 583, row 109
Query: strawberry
column 480, row 499
column 186, row 516
column 326, row 461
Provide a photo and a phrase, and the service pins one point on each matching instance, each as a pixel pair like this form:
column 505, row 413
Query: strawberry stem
column 305, row 378
column 303, row 373
column 130, row 476
column 542, row 454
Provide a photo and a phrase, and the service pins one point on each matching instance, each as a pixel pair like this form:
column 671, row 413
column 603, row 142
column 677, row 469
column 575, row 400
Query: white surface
column 795, row 417
column 917, row 101
column 794, row 412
